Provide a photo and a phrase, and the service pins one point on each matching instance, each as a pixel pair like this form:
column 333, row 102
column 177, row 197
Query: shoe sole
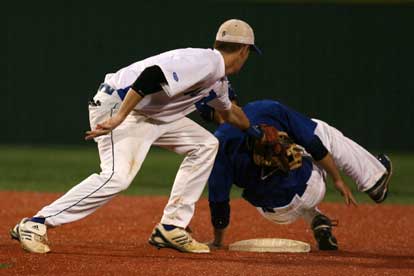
column 325, row 239
column 323, row 233
column 165, row 245
column 14, row 235
column 327, row 243
column 328, row 246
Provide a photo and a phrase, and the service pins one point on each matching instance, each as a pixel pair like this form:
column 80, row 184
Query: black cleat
column 379, row 191
column 322, row 231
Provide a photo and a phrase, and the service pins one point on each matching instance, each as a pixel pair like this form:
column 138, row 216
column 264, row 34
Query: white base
column 270, row 245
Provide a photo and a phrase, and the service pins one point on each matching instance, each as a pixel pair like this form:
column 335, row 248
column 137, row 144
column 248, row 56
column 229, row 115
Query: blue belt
column 106, row 89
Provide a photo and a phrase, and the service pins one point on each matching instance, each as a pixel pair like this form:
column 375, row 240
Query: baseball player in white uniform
column 145, row 104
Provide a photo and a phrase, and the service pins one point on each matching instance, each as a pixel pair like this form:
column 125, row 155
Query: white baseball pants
column 122, row 153
column 364, row 169
column 355, row 161
column 304, row 206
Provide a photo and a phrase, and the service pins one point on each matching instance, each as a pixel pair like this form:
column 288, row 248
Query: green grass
column 5, row 266
column 401, row 186
column 56, row 169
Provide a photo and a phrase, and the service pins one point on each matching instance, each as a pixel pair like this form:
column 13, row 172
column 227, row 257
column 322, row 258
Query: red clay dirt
column 373, row 239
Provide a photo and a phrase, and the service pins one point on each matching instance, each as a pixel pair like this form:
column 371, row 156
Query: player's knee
column 205, row 150
column 116, row 181
column 212, row 144
column 123, row 181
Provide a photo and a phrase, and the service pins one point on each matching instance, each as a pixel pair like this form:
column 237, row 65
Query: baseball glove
column 276, row 150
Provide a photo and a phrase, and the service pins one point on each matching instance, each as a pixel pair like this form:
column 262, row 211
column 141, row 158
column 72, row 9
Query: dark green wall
column 351, row 66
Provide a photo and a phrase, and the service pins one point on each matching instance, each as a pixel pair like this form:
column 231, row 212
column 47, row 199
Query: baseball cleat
column 322, row 231
column 177, row 239
column 31, row 235
column 14, row 233
column 379, row 191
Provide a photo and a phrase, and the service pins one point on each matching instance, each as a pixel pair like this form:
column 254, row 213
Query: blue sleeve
column 219, row 186
column 302, row 130
column 221, row 177
column 299, row 127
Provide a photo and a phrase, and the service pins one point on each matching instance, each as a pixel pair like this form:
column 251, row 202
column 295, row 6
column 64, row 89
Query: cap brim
column 256, row 49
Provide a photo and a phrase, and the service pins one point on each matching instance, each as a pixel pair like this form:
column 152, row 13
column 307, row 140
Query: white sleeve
column 222, row 101
column 186, row 70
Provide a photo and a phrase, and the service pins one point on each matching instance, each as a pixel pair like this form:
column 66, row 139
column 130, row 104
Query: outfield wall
column 351, row 65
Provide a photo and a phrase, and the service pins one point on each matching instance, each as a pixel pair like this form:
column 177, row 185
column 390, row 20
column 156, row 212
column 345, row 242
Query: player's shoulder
column 198, row 55
column 263, row 105
column 205, row 59
column 196, row 52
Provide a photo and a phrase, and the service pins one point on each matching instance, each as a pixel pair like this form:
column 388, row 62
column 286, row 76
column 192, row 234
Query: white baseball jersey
column 191, row 75
column 159, row 120
column 165, row 109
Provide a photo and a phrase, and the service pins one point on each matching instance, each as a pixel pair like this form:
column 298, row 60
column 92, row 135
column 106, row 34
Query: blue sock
column 169, row 227
column 38, row 220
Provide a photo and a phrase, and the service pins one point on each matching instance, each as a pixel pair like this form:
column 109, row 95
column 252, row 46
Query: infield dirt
column 373, row 240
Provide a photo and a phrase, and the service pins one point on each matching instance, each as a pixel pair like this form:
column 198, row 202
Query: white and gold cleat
column 178, row 239
column 31, row 235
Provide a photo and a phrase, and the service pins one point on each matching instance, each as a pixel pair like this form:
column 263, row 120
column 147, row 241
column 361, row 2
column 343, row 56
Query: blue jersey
column 234, row 164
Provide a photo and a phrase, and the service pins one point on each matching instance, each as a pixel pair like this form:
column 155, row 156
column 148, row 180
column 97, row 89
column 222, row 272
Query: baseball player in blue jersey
column 284, row 197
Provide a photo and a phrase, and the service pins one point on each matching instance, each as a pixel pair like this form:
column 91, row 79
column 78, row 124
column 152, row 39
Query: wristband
column 254, row 131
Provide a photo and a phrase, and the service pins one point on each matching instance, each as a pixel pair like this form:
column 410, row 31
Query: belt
column 106, row 89
column 103, row 87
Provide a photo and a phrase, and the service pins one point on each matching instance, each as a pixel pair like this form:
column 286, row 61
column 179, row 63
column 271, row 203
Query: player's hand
column 104, row 128
column 217, row 242
column 215, row 246
column 345, row 192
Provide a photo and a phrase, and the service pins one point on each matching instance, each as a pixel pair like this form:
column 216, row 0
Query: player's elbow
column 317, row 149
column 226, row 115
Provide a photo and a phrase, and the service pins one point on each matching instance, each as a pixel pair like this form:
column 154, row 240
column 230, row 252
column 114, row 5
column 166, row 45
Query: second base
column 270, row 245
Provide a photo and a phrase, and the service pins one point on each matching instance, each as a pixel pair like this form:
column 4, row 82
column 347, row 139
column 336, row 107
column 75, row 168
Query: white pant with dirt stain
column 122, row 153
column 356, row 162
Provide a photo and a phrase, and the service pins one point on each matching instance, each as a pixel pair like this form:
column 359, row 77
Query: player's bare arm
column 235, row 116
column 328, row 164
